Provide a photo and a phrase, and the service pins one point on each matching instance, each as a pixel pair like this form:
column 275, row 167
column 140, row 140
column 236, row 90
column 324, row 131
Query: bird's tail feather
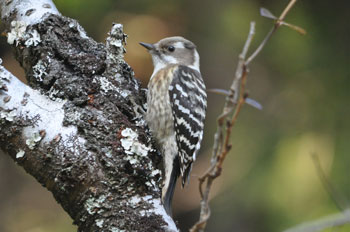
column 168, row 196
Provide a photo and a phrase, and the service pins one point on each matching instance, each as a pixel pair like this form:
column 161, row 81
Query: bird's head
column 173, row 50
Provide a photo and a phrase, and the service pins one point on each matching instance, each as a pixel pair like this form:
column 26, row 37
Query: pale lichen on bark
column 78, row 127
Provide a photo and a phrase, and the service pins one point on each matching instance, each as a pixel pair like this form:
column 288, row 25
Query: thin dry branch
column 287, row 9
column 279, row 22
column 233, row 104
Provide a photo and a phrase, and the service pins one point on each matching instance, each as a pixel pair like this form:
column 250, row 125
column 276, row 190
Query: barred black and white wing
column 188, row 102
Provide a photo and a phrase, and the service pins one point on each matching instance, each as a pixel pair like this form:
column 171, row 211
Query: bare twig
column 278, row 23
column 262, row 45
column 287, row 9
column 235, row 99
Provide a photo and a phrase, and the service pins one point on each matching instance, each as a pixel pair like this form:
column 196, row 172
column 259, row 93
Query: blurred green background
column 269, row 182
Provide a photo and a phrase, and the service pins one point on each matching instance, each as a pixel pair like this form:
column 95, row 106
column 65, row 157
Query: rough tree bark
column 78, row 127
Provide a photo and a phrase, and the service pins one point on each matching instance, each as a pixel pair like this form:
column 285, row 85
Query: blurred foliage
column 269, row 181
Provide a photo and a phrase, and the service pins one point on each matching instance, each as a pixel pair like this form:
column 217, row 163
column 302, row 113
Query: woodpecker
column 177, row 103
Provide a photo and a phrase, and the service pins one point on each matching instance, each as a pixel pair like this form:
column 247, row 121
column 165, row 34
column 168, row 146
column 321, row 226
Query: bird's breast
column 159, row 114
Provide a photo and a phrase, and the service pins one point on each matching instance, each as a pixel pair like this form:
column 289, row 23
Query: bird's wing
column 188, row 102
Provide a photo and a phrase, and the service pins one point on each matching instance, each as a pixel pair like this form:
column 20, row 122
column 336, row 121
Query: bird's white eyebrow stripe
column 179, row 45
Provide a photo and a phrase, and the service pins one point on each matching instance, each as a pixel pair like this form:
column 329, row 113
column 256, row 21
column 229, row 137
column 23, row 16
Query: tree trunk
column 78, row 127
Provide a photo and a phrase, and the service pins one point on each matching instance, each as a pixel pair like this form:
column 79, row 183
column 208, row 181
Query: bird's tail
column 170, row 185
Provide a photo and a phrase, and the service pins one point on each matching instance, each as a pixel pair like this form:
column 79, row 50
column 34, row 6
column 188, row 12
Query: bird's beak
column 148, row 46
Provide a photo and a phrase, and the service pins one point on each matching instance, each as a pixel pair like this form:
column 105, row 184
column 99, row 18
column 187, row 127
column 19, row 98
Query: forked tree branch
column 225, row 122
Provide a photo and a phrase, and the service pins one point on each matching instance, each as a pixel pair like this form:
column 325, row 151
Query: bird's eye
column 171, row 48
